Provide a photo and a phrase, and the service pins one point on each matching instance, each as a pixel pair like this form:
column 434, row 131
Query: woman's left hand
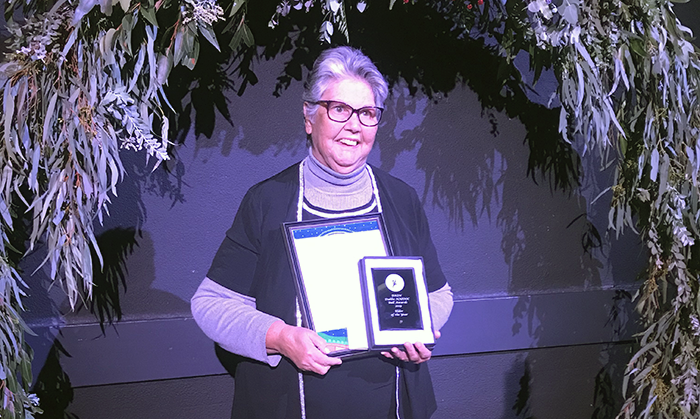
column 416, row 353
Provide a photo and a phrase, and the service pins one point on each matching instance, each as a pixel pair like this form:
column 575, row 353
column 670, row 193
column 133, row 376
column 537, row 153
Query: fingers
column 416, row 353
column 321, row 366
column 437, row 334
column 308, row 350
column 316, row 361
column 319, row 342
column 399, row 354
column 324, row 348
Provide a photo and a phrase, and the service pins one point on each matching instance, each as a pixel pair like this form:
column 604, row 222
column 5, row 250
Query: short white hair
column 341, row 63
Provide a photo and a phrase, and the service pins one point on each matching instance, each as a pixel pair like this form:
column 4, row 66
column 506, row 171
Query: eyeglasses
column 341, row 112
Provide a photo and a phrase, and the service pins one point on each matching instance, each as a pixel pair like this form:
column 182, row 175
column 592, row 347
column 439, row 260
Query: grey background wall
column 531, row 334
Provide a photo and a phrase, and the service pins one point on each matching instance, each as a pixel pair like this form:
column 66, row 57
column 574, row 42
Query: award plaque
column 396, row 298
column 396, row 301
column 324, row 255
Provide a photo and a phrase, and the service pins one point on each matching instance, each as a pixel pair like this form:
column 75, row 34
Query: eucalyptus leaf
column 125, row 33
column 654, row 164
column 334, row 5
column 8, row 113
column 179, row 46
column 570, row 13
column 46, row 131
column 165, row 63
column 148, row 12
column 106, row 46
column 189, row 40
column 237, row 4
column 6, row 216
column 247, row 36
column 236, row 39
column 140, row 60
column 326, row 31
column 192, row 57
column 209, row 34
column 151, row 55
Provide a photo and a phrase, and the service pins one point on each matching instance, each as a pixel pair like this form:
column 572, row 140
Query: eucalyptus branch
column 73, row 94
column 613, row 51
column 334, row 15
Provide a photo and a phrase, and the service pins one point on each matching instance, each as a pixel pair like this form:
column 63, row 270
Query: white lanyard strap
column 300, row 213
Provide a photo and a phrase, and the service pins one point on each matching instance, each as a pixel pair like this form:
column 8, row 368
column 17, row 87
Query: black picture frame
column 324, row 255
column 397, row 304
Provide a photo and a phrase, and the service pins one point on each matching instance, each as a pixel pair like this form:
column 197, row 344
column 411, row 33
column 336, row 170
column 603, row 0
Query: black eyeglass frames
column 341, row 112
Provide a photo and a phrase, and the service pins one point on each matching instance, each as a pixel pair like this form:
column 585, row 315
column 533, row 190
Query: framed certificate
column 397, row 307
column 325, row 256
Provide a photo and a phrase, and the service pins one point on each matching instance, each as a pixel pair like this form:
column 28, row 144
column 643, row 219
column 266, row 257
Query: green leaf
column 179, row 46
column 623, row 145
column 125, row 32
column 236, row 39
column 189, row 41
column 503, row 71
column 209, row 34
column 637, row 46
column 247, row 36
column 149, row 13
column 237, row 4
column 107, row 46
column 190, row 60
column 26, row 370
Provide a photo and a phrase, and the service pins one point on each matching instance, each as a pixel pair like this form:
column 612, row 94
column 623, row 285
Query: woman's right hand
column 303, row 346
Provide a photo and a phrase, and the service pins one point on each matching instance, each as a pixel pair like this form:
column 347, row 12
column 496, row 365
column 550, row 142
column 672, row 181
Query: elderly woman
column 247, row 303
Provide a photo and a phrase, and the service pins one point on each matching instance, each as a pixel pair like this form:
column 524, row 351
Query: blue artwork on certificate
column 327, row 230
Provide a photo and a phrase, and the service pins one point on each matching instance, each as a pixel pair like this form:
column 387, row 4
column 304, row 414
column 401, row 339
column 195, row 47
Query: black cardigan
column 252, row 260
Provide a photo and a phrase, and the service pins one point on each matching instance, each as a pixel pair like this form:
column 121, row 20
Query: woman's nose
column 354, row 122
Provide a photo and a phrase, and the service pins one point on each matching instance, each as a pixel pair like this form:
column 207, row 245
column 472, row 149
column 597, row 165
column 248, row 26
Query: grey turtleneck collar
column 330, row 176
column 326, row 188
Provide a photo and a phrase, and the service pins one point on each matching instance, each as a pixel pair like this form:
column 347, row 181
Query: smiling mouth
column 351, row 143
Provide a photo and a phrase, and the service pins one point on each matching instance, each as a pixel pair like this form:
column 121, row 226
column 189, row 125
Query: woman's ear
column 308, row 126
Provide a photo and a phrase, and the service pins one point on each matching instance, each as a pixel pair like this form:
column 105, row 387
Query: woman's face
column 342, row 146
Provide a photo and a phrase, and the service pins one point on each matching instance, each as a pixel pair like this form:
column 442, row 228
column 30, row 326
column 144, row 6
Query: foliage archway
column 86, row 79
